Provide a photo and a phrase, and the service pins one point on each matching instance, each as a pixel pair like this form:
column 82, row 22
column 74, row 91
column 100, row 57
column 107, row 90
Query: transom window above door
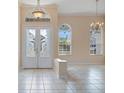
column 65, row 44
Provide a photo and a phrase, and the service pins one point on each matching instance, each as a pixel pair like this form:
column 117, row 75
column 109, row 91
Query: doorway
column 37, row 47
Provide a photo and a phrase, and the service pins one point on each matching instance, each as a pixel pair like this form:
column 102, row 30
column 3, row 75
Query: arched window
column 96, row 41
column 65, row 35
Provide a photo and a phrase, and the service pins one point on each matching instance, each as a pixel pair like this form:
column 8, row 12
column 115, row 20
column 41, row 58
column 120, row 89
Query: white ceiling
column 85, row 7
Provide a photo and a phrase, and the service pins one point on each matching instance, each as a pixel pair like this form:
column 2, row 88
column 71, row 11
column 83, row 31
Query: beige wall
column 80, row 39
column 26, row 10
column 80, row 35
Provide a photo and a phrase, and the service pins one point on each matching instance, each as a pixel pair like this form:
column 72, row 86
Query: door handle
column 36, row 50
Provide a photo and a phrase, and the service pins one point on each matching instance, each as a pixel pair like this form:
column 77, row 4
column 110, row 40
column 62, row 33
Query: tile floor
column 81, row 79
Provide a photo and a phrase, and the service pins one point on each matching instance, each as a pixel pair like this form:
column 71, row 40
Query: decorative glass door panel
column 44, row 43
column 30, row 42
column 37, row 48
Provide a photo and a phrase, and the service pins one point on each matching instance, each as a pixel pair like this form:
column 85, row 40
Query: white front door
column 37, row 48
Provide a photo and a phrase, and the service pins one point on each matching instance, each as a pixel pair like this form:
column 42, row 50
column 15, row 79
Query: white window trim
column 102, row 46
column 70, row 53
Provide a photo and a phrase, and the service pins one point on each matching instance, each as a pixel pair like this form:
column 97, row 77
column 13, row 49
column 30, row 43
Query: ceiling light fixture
column 96, row 25
column 38, row 12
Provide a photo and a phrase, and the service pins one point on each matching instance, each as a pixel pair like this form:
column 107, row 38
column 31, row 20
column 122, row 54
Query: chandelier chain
column 96, row 25
column 96, row 8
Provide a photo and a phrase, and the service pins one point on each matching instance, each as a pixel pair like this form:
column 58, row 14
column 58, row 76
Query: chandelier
column 38, row 12
column 96, row 25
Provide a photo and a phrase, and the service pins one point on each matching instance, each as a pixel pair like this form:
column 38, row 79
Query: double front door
column 37, row 48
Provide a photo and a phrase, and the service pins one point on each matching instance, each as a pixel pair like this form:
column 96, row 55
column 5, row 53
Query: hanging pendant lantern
column 38, row 12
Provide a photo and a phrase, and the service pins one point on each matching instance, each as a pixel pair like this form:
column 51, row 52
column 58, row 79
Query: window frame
column 69, row 52
column 101, row 44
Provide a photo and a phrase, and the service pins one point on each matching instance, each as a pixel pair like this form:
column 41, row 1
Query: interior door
column 44, row 48
column 29, row 53
column 37, row 48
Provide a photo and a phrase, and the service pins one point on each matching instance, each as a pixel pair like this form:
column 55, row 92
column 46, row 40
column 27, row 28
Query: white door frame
column 44, row 62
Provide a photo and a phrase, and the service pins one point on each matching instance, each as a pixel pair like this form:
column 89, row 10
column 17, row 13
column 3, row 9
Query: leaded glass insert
column 30, row 42
column 44, row 43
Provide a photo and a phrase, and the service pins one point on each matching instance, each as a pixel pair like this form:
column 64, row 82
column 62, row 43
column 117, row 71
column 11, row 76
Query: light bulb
column 102, row 23
column 92, row 24
column 38, row 13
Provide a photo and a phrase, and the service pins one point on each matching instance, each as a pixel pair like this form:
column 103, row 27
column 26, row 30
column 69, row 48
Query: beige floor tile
column 58, row 91
column 24, row 86
column 56, row 87
column 94, row 91
column 81, row 79
column 80, row 91
column 23, row 91
column 37, row 91
column 37, row 86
